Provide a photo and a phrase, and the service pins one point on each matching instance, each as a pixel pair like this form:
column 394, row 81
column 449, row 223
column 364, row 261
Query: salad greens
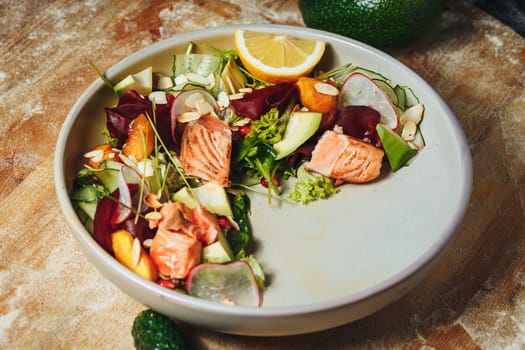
column 311, row 187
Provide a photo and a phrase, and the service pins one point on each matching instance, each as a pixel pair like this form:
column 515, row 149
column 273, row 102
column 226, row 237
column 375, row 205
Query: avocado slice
column 218, row 252
column 185, row 197
column 211, row 195
column 141, row 82
column 397, row 150
column 301, row 126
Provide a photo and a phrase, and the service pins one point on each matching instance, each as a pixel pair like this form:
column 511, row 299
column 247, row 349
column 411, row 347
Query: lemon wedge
column 277, row 58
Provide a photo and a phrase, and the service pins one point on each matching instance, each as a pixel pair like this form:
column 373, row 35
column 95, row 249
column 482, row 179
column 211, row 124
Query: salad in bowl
column 220, row 170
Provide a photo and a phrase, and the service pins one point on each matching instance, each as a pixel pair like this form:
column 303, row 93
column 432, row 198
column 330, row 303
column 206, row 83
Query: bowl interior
column 361, row 242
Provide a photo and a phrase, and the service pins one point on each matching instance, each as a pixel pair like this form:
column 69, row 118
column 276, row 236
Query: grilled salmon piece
column 343, row 157
column 207, row 225
column 206, row 147
column 175, row 254
column 182, row 232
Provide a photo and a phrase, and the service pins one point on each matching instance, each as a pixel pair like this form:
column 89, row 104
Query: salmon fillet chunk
column 343, row 157
column 182, row 233
column 206, row 149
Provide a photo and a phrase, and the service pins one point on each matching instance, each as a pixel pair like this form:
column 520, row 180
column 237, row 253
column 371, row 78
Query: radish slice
column 126, row 177
column 233, row 283
column 360, row 90
column 124, row 208
column 180, row 105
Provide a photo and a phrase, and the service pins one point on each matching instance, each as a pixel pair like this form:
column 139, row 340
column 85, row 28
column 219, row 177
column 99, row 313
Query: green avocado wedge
column 301, row 126
column 397, row 150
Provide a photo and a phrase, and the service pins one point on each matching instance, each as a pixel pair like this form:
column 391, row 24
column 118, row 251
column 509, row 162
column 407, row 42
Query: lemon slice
column 277, row 58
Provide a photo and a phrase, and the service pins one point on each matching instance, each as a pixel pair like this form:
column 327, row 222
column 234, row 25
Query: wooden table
column 52, row 298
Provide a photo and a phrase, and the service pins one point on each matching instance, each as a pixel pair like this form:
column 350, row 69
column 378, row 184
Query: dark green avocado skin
column 379, row 23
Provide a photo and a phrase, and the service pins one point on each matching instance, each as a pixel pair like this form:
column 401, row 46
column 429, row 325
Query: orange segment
column 101, row 153
column 140, row 141
column 312, row 99
column 277, row 58
column 123, row 242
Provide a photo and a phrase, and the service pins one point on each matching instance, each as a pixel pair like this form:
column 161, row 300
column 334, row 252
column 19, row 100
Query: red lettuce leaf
column 130, row 105
column 359, row 122
column 259, row 101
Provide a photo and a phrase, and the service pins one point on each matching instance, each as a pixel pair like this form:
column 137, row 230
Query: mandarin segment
column 100, row 153
column 312, row 99
column 141, row 139
column 138, row 261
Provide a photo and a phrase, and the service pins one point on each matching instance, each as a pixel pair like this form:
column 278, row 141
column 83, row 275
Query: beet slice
column 260, row 101
column 359, row 122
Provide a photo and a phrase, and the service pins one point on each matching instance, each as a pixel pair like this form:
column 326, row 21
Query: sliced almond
column 188, row 117
column 162, row 82
column 409, row 130
column 147, row 243
column 242, row 122
column 326, row 89
column 414, row 113
column 196, row 78
column 159, row 97
column 236, row 96
column 203, row 107
column 95, row 155
column 227, row 301
column 412, row 145
column 211, row 81
column 152, row 201
column 191, row 100
column 223, row 100
column 180, row 79
column 153, row 216
column 136, row 252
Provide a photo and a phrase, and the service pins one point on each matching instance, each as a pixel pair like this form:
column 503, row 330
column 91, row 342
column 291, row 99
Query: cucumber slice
column 372, row 74
column 142, row 82
column 108, row 174
column 201, row 64
column 86, row 198
column 401, row 97
column 411, row 98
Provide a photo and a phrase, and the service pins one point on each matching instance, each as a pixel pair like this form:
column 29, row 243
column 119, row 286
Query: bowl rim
column 87, row 242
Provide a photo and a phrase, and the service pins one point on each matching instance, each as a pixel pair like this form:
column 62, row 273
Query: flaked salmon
column 175, row 254
column 206, row 149
column 181, row 234
column 343, row 157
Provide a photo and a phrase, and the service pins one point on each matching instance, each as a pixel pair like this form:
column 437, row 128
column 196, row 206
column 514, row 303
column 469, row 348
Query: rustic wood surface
column 52, row 298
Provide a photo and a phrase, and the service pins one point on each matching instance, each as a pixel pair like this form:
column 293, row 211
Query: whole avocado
column 154, row 331
column 380, row 23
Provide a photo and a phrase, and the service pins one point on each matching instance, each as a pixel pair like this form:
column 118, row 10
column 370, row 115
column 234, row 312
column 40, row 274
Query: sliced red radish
column 360, row 90
column 124, row 208
column 233, row 283
column 126, row 177
column 187, row 101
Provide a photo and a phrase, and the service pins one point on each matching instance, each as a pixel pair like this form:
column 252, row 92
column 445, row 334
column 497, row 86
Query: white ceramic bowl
column 329, row 263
